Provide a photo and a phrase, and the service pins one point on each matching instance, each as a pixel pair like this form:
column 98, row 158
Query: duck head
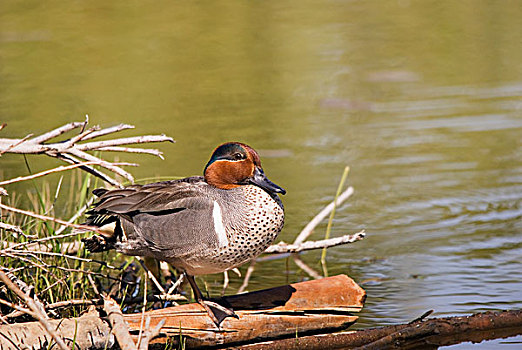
column 235, row 164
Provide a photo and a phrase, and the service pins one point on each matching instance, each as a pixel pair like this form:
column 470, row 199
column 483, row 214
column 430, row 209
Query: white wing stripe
column 218, row 225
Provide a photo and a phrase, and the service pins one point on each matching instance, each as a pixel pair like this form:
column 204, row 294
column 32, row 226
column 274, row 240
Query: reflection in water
column 421, row 99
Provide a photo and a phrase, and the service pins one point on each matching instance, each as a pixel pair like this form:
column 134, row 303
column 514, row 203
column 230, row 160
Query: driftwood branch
column 309, row 228
column 74, row 149
column 283, row 247
column 248, row 274
column 429, row 334
column 119, row 328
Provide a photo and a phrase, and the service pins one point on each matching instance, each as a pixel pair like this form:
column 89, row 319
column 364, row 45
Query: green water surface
column 423, row 99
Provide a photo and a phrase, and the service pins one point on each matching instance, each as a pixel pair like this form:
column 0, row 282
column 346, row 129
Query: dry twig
column 55, row 170
column 12, row 228
column 309, row 228
column 49, row 218
column 301, row 264
column 76, row 216
column 149, row 334
column 37, row 313
column 248, row 274
column 118, row 325
column 72, row 150
column 283, row 247
column 28, row 290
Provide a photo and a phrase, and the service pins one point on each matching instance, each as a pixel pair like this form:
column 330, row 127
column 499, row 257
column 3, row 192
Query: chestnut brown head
column 234, row 164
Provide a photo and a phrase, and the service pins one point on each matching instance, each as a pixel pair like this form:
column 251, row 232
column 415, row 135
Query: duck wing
column 150, row 198
column 165, row 219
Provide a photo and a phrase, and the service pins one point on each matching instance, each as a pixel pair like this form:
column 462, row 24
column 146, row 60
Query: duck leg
column 216, row 312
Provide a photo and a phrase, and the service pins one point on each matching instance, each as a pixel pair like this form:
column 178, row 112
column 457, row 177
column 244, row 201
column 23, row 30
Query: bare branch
column 149, row 334
column 309, row 228
column 48, row 218
column 175, row 285
column 65, row 247
column 53, row 170
column 103, row 163
column 153, row 152
column 123, row 141
column 12, row 228
column 37, row 242
column 19, row 310
column 301, row 264
column 28, row 290
column 72, row 257
column 151, row 275
column 226, row 281
column 19, row 142
column 118, row 325
column 67, row 303
column 70, row 159
column 71, row 149
column 109, row 130
column 82, row 135
column 56, row 132
column 283, row 247
column 248, row 274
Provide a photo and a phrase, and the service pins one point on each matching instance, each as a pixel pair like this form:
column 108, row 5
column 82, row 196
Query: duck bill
column 259, row 179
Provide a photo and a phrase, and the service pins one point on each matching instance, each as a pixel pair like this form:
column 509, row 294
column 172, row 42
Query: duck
column 200, row 224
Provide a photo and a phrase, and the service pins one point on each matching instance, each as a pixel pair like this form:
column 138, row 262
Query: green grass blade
column 330, row 219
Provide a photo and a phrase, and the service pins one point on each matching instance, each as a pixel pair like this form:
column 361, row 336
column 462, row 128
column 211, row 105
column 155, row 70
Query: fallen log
column 298, row 309
column 423, row 334
column 302, row 308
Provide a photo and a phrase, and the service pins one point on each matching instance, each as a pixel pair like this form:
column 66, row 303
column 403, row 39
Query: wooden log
column 428, row 334
column 296, row 309
column 292, row 310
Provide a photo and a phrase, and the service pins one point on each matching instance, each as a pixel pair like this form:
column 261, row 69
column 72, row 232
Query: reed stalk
column 330, row 219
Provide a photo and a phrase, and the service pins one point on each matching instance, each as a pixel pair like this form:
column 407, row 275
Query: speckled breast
column 251, row 225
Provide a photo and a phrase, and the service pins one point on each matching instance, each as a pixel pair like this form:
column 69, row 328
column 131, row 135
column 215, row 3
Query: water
column 423, row 99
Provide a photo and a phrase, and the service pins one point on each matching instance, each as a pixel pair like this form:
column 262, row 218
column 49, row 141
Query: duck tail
column 108, row 225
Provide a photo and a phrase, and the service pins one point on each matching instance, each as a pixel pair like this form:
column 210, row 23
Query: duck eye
column 238, row 156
